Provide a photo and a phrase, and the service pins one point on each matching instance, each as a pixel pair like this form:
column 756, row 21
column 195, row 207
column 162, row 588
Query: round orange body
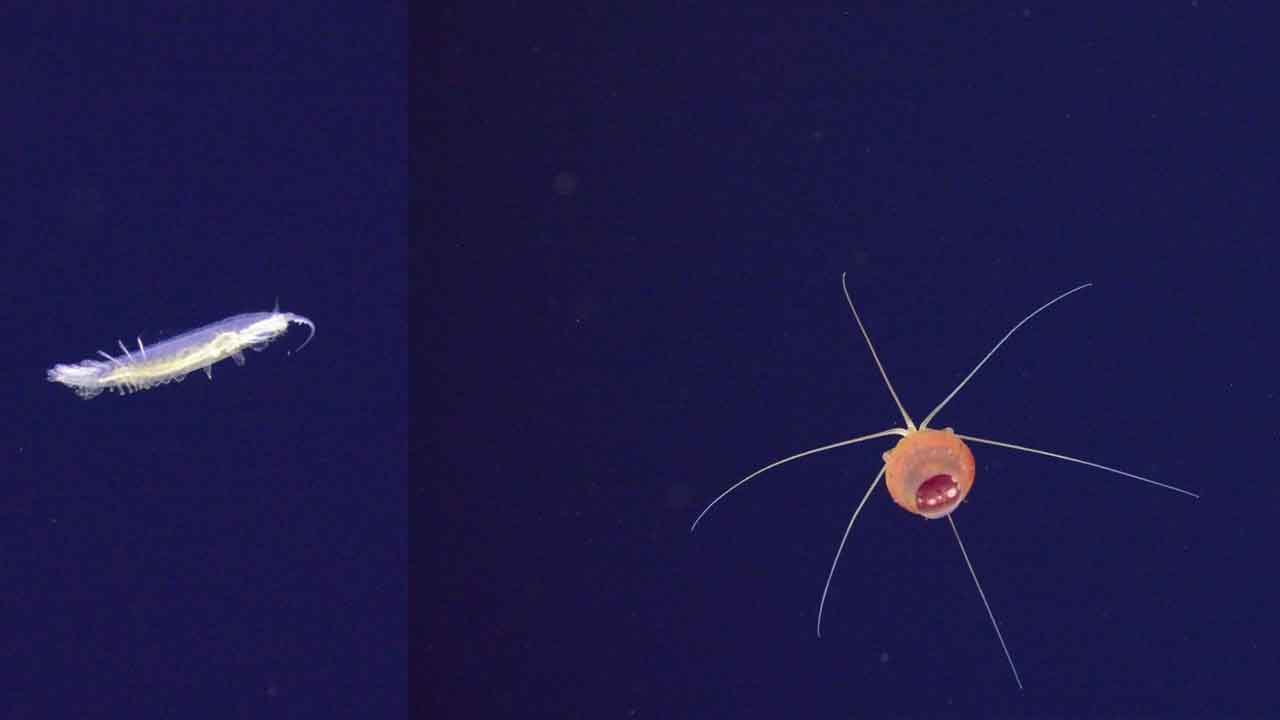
column 929, row 472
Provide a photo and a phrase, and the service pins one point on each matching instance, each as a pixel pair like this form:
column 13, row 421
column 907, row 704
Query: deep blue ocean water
column 642, row 219
column 233, row 548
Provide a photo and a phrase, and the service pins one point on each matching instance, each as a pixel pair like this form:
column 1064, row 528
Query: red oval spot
column 936, row 493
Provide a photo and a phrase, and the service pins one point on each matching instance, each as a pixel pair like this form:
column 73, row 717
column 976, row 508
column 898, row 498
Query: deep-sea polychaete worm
column 172, row 359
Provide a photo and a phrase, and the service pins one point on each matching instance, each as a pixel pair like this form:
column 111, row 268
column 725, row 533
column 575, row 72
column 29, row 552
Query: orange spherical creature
column 929, row 472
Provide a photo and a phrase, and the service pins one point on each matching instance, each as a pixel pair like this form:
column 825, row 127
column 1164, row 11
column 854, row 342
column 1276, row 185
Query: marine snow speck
column 171, row 360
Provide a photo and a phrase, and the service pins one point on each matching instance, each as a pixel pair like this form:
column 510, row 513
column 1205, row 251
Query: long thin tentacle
column 911, row 425
column 822, row 604
column 974, row 574
column 783, row 461
column 984, row 360
column 1068, row 458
